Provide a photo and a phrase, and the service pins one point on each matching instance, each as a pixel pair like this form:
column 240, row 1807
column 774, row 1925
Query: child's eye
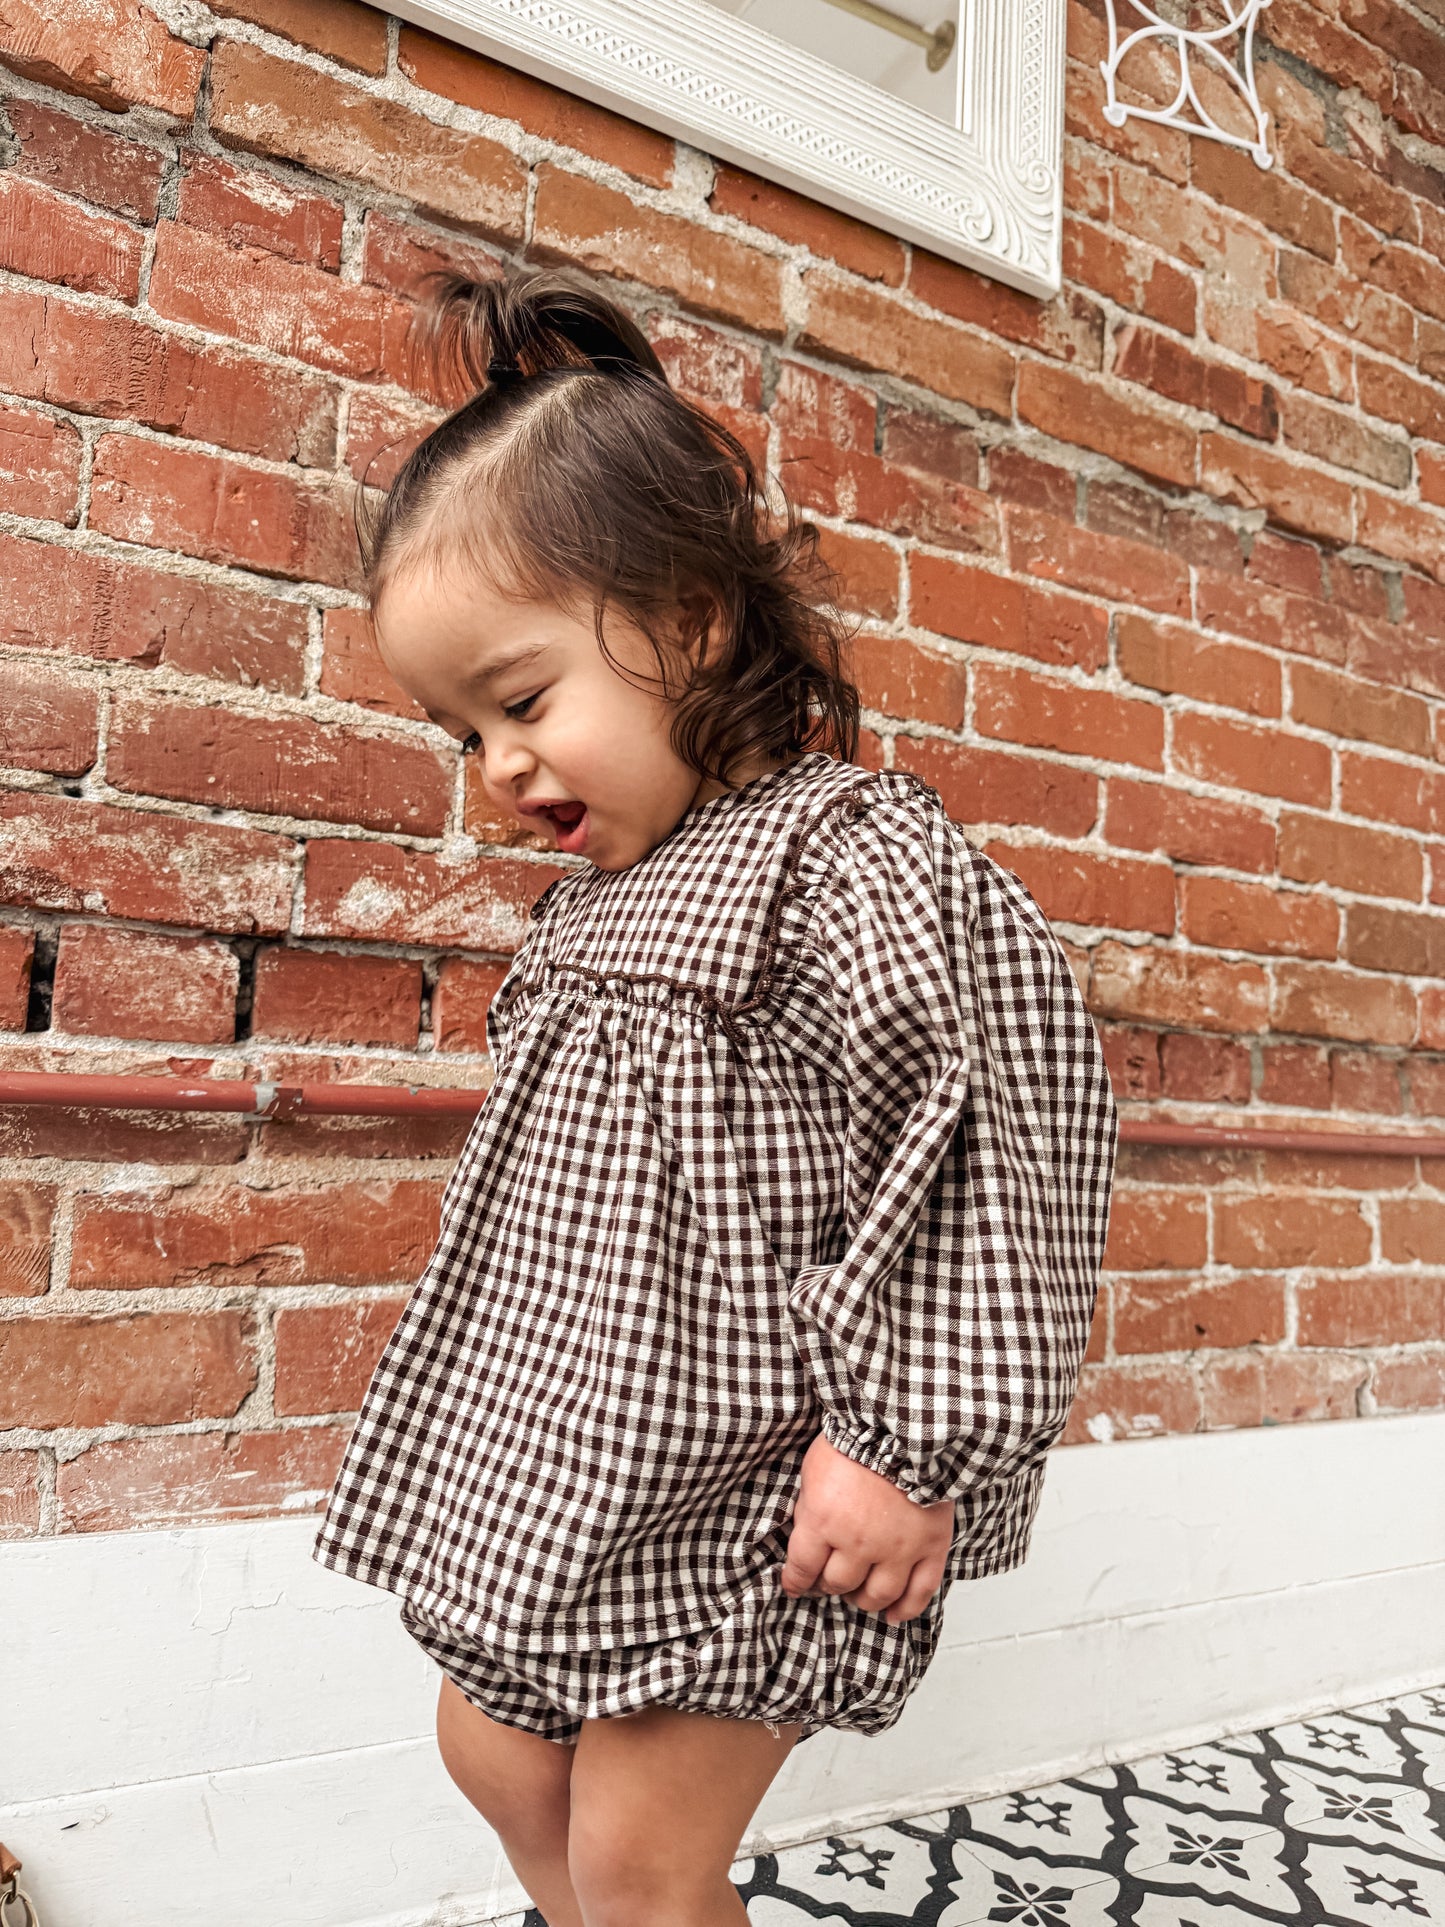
column 471, row 742
column 519, row 710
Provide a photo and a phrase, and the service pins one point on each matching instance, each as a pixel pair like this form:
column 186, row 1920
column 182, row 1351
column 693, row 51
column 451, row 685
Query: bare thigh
column 660, row 1801
column 517, row 1781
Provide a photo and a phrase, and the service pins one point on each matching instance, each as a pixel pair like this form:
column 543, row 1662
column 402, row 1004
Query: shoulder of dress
column 543, row 903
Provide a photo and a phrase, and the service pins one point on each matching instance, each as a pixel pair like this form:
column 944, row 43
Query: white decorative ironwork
column 1241, row 17
column 987, row 192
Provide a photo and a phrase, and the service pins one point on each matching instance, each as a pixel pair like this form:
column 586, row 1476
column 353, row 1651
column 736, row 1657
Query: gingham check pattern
column 799, row 1124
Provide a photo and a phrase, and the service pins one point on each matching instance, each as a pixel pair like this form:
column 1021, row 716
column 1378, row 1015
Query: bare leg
column 660, row 1802
column 519, row 1783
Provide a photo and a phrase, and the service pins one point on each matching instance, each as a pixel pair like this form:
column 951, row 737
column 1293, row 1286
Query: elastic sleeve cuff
column 877, row 1451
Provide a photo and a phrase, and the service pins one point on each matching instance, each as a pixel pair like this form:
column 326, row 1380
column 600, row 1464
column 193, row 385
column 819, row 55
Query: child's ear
column 697, row 621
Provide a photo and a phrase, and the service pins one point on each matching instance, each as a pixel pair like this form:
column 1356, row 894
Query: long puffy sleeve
column 945, row 1342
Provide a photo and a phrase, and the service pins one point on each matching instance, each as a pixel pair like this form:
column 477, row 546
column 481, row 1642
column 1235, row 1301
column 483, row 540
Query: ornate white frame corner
column 988, row 193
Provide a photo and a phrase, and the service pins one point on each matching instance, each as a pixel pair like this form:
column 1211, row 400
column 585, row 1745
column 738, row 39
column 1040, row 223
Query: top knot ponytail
column 572, row 472
column 486, row 333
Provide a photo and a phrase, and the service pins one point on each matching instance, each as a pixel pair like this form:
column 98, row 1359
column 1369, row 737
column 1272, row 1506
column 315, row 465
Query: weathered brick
column 313, row 997
column 295, row 113
column 1410, row 1382
column 221, row 510
column 158, row 1368
column 1076, row 408
column 1204, row 1070
column 578, row 220
column 110, row 51
column 1279, row 1388
column 1100, row 565
column 1330, row 435
column 85, row 162
column 1360, row 1080
column 1399, row 529
column 1291, row 492
column 277, row 766
column 325, row 1353
column 1407, row 943
column 117, row 366
column 92, row 605
column 805, row 223
column 1270, row 762
column 1189, row 828
column 1289, row 1229
column 1129, row 275
column 1068, row 326
column 1132, row 1402
column 136, row 983
column 49, row 238
column 180, row 1478
column 249, row 209
column 362, row 1232
column 1391, row 792
column 1050, row 714
column 398, row 255
column 1349, row 706
column 1284, row 339
column 1179, row 661
column 1322, row 1000
column 867, row 577
column 1219, row 1314
column 382, row 893
column 353, row 671
column 51, row 718
column 1348, row 856
column 1358, row 308
column 39, row 466
column 1171, row 368
column 1181, row 987
column 1229, row 175
column 459, row 1002
column 68, row 854
column 1257, row 918
column 1156, row 1231
column 1105, row 892
column 1374, row 1308
column 861, row 487
column 353, row 35
column 27, row 1214
column 988, row 786
column 551, row 113
column 290, row 308
column 977, row 605
column 863, row 327
column 17, row 953
column 1412, row 1231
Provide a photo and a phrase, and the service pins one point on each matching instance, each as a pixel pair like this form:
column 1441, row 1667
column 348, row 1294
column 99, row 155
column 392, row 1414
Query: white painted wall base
column 203, row 1725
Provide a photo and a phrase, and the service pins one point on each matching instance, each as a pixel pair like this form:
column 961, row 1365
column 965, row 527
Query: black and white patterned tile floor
column 1332, row 1820
column 1335, row 1821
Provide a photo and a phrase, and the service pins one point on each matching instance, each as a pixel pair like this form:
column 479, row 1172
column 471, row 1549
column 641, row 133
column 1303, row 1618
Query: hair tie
column 499, row 372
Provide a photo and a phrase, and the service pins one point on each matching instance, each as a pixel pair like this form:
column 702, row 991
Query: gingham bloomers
column 799, row 1123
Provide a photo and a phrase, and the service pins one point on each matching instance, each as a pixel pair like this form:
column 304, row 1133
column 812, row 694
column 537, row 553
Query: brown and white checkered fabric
column 799, row 1123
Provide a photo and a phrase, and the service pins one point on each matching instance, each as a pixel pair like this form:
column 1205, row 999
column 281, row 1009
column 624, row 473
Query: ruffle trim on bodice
column 811, row 857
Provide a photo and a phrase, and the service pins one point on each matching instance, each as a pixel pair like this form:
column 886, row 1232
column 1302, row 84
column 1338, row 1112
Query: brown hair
column 576, row 473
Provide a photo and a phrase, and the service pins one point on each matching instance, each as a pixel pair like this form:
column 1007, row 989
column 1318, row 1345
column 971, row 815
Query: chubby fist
column 855, row 1534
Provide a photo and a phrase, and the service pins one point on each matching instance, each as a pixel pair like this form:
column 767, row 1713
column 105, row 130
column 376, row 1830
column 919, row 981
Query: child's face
column 560, row 726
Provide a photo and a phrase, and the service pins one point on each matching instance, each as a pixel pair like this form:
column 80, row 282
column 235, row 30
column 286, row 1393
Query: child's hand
column 855, row 1534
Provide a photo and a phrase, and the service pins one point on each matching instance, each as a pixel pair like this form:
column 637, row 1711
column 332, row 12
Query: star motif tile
column 1333, row 1821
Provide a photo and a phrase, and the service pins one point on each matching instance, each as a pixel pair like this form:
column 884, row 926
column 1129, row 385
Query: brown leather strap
column 9, row 1865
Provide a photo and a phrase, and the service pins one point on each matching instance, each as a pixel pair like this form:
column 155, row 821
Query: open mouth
column 570, row 821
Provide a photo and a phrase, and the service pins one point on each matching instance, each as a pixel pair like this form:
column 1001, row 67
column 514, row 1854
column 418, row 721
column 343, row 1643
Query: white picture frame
column 987, row 192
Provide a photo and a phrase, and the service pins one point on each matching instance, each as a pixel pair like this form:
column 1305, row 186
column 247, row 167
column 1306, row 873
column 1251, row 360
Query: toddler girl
column 766, row 1271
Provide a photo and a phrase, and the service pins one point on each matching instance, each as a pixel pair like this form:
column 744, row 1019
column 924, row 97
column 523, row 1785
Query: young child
column 766, row 1271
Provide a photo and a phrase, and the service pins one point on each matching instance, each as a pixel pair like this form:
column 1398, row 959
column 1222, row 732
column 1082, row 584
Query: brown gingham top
column 799, row 1123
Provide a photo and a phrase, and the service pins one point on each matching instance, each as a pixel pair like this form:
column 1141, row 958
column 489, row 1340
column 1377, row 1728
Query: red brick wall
column 1153, row 579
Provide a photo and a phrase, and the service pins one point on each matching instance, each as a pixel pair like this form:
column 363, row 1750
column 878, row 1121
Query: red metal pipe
column 282, row 1101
